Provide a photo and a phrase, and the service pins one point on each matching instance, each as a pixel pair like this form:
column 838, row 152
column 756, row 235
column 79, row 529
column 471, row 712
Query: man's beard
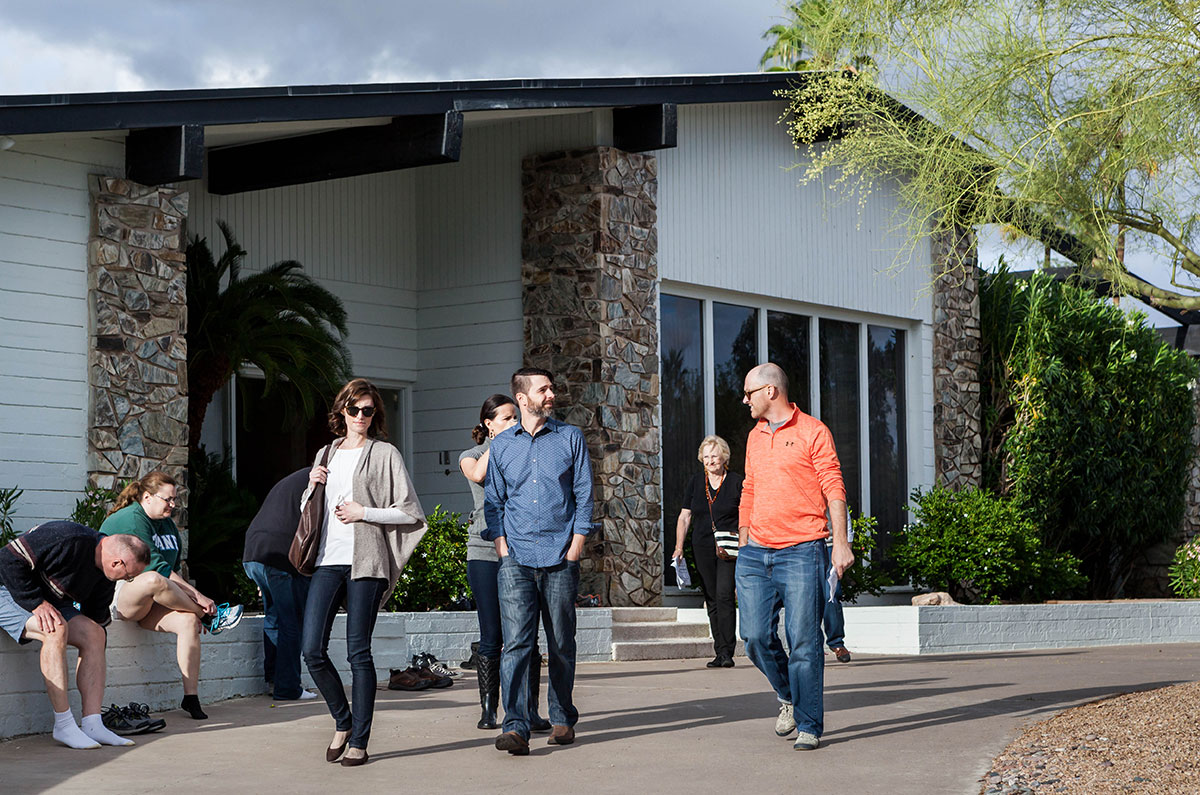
column 542, row 412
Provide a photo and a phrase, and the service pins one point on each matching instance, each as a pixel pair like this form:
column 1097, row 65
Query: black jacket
column 270, row 534
column 56, row 562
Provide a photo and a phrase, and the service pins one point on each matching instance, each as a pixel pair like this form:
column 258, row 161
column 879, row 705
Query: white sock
column 67, row 732
column 94, row 727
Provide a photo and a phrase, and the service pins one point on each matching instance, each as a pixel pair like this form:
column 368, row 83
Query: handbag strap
column 711, row 497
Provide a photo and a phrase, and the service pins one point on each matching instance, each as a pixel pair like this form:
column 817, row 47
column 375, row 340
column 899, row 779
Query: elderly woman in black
column 712, row 499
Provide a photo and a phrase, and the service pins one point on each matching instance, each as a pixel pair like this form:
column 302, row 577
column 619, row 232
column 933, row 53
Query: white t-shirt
column 337, row 539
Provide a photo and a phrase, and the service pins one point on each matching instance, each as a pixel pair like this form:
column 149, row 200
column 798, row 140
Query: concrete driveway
column 893, row 724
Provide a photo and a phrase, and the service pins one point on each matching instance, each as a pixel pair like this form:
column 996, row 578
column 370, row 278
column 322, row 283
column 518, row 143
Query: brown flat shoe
column 514, row 743
column 562, row 735
column 333, row 754
column 355, row 761
column 407, row 680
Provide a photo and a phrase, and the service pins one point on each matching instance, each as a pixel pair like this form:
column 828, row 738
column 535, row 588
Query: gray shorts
column 13, row 617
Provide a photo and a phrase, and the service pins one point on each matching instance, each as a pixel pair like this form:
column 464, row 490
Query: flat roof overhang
column 100, row 112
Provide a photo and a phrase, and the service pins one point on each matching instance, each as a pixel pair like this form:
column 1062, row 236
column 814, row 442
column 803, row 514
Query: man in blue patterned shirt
column 538, row 506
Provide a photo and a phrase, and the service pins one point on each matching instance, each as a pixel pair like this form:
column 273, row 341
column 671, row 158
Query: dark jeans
column 329, row 587
column 834, row 621
column 482, row 576
column 716, row 581
column 524, row 592
column 283, row 595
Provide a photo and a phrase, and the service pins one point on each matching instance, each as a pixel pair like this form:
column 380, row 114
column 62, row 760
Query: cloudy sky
column 72, row 46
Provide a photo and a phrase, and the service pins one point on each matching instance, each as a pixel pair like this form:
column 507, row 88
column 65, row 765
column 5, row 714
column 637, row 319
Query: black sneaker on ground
column 119, row 720
column 141, row 712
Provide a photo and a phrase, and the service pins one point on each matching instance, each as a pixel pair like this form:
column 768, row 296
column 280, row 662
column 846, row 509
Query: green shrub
column 865, row 576
column 436, row 575
column 8, row 504
column 980, row 548
column 1185, row 570
column 1090, row 432
column 93, row 507
column 218, row 513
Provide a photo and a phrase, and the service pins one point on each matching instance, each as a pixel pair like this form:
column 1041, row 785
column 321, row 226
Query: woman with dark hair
column 371, row 524
column 483, row 566
column 159, row 598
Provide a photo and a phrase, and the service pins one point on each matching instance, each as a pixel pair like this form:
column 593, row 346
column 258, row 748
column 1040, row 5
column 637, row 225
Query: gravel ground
column 1137, row 742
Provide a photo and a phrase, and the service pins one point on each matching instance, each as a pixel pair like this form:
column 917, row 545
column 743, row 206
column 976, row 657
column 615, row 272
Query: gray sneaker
column 785, row 724
column 807, row 742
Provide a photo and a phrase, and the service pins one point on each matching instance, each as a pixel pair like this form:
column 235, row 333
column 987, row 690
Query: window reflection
column 885, row 404
column 682, row 332
column 788, row 346
column 839, row 400
column 735, row 351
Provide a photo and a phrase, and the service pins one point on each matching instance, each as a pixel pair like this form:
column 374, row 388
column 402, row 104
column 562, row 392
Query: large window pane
column 839, row 400
column 682, row 408
column 788, row 346
column 735, row 351
column 885, row 404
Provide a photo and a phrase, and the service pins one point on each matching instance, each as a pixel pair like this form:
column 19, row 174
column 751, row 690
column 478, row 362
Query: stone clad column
column 957, row 417
column 589, row 275
column 138, row 352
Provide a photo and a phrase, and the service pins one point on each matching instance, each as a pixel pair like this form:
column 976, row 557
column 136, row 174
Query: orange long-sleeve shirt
column 791, row 476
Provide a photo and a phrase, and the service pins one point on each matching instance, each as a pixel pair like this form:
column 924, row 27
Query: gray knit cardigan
column 381, row 481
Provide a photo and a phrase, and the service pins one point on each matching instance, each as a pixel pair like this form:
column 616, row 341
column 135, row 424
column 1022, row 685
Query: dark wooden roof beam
column 406, row 142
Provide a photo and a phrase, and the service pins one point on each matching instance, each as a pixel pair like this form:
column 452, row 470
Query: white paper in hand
column 833, row 583
column 682, row 577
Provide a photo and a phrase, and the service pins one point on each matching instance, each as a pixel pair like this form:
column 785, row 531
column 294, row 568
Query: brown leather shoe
column 842, row 654
column 355, row 761
column 514, row 743
column 407, row 680
column 562, row 735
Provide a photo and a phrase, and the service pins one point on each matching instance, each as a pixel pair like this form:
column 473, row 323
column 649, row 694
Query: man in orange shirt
column 792, row 478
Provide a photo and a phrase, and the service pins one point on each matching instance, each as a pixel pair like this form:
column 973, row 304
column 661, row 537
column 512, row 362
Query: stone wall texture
column 589, row 274
column 957, row 414
column 138, row 353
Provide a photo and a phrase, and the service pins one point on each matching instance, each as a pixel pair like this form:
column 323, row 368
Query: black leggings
column 716, row 581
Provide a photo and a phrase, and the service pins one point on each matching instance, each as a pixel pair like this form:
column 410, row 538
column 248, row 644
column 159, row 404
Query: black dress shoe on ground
column 726, row 662
column 355, row 761
column 715, row 662
column 514, row 743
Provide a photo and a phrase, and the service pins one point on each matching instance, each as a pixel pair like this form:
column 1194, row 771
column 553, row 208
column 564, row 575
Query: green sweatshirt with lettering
column 161, row 535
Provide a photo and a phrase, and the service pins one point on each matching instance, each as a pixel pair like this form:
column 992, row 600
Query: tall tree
column 279, row 320
column 1046, row 115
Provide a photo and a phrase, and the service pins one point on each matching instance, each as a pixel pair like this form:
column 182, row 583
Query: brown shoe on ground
column 407, row 680
column 514, row 743
column 842, row 654
column 562, row 735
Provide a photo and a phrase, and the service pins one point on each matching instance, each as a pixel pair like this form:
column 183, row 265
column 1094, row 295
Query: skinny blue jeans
column 331, row 585
column 788, row 578
column 284, row 595
column 526, row 591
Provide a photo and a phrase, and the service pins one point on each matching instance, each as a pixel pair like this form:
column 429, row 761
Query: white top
column 337, row 539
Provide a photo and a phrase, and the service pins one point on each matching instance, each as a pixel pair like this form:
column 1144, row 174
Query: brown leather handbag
column 307, row 542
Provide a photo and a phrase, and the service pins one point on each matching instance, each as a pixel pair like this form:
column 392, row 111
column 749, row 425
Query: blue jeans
column 524, row 592
column 768, row 579
column 482, row 576
column 329, row 586
column 834, row 621
column 283, row 596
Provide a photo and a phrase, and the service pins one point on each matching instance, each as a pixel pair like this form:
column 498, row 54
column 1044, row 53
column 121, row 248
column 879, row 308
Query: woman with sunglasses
column 371, row 524
column 159, row 598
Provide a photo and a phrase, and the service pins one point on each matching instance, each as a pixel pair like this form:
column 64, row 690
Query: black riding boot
column 489, row 691
column 536, row 722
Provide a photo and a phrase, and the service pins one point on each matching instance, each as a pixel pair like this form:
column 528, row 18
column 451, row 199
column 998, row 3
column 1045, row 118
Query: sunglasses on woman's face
column 367, row 411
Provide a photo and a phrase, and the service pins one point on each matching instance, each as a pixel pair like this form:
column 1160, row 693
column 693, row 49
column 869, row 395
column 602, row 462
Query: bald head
column 122, row 556
column 770, row 374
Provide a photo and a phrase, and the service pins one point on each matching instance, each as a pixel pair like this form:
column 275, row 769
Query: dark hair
column 488, row 412
column 352, row 392
column 134, row 489
column 520, row 379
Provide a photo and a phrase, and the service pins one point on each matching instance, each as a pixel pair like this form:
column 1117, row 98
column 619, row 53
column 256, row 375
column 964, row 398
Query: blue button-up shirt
column 538, row 492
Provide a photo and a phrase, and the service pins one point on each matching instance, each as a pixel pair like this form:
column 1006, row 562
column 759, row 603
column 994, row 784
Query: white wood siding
column 731, row 215
column 470, row 318
column 44, row 226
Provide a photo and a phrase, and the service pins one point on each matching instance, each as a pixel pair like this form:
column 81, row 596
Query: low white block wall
column 142, row 667
column 980, row 628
